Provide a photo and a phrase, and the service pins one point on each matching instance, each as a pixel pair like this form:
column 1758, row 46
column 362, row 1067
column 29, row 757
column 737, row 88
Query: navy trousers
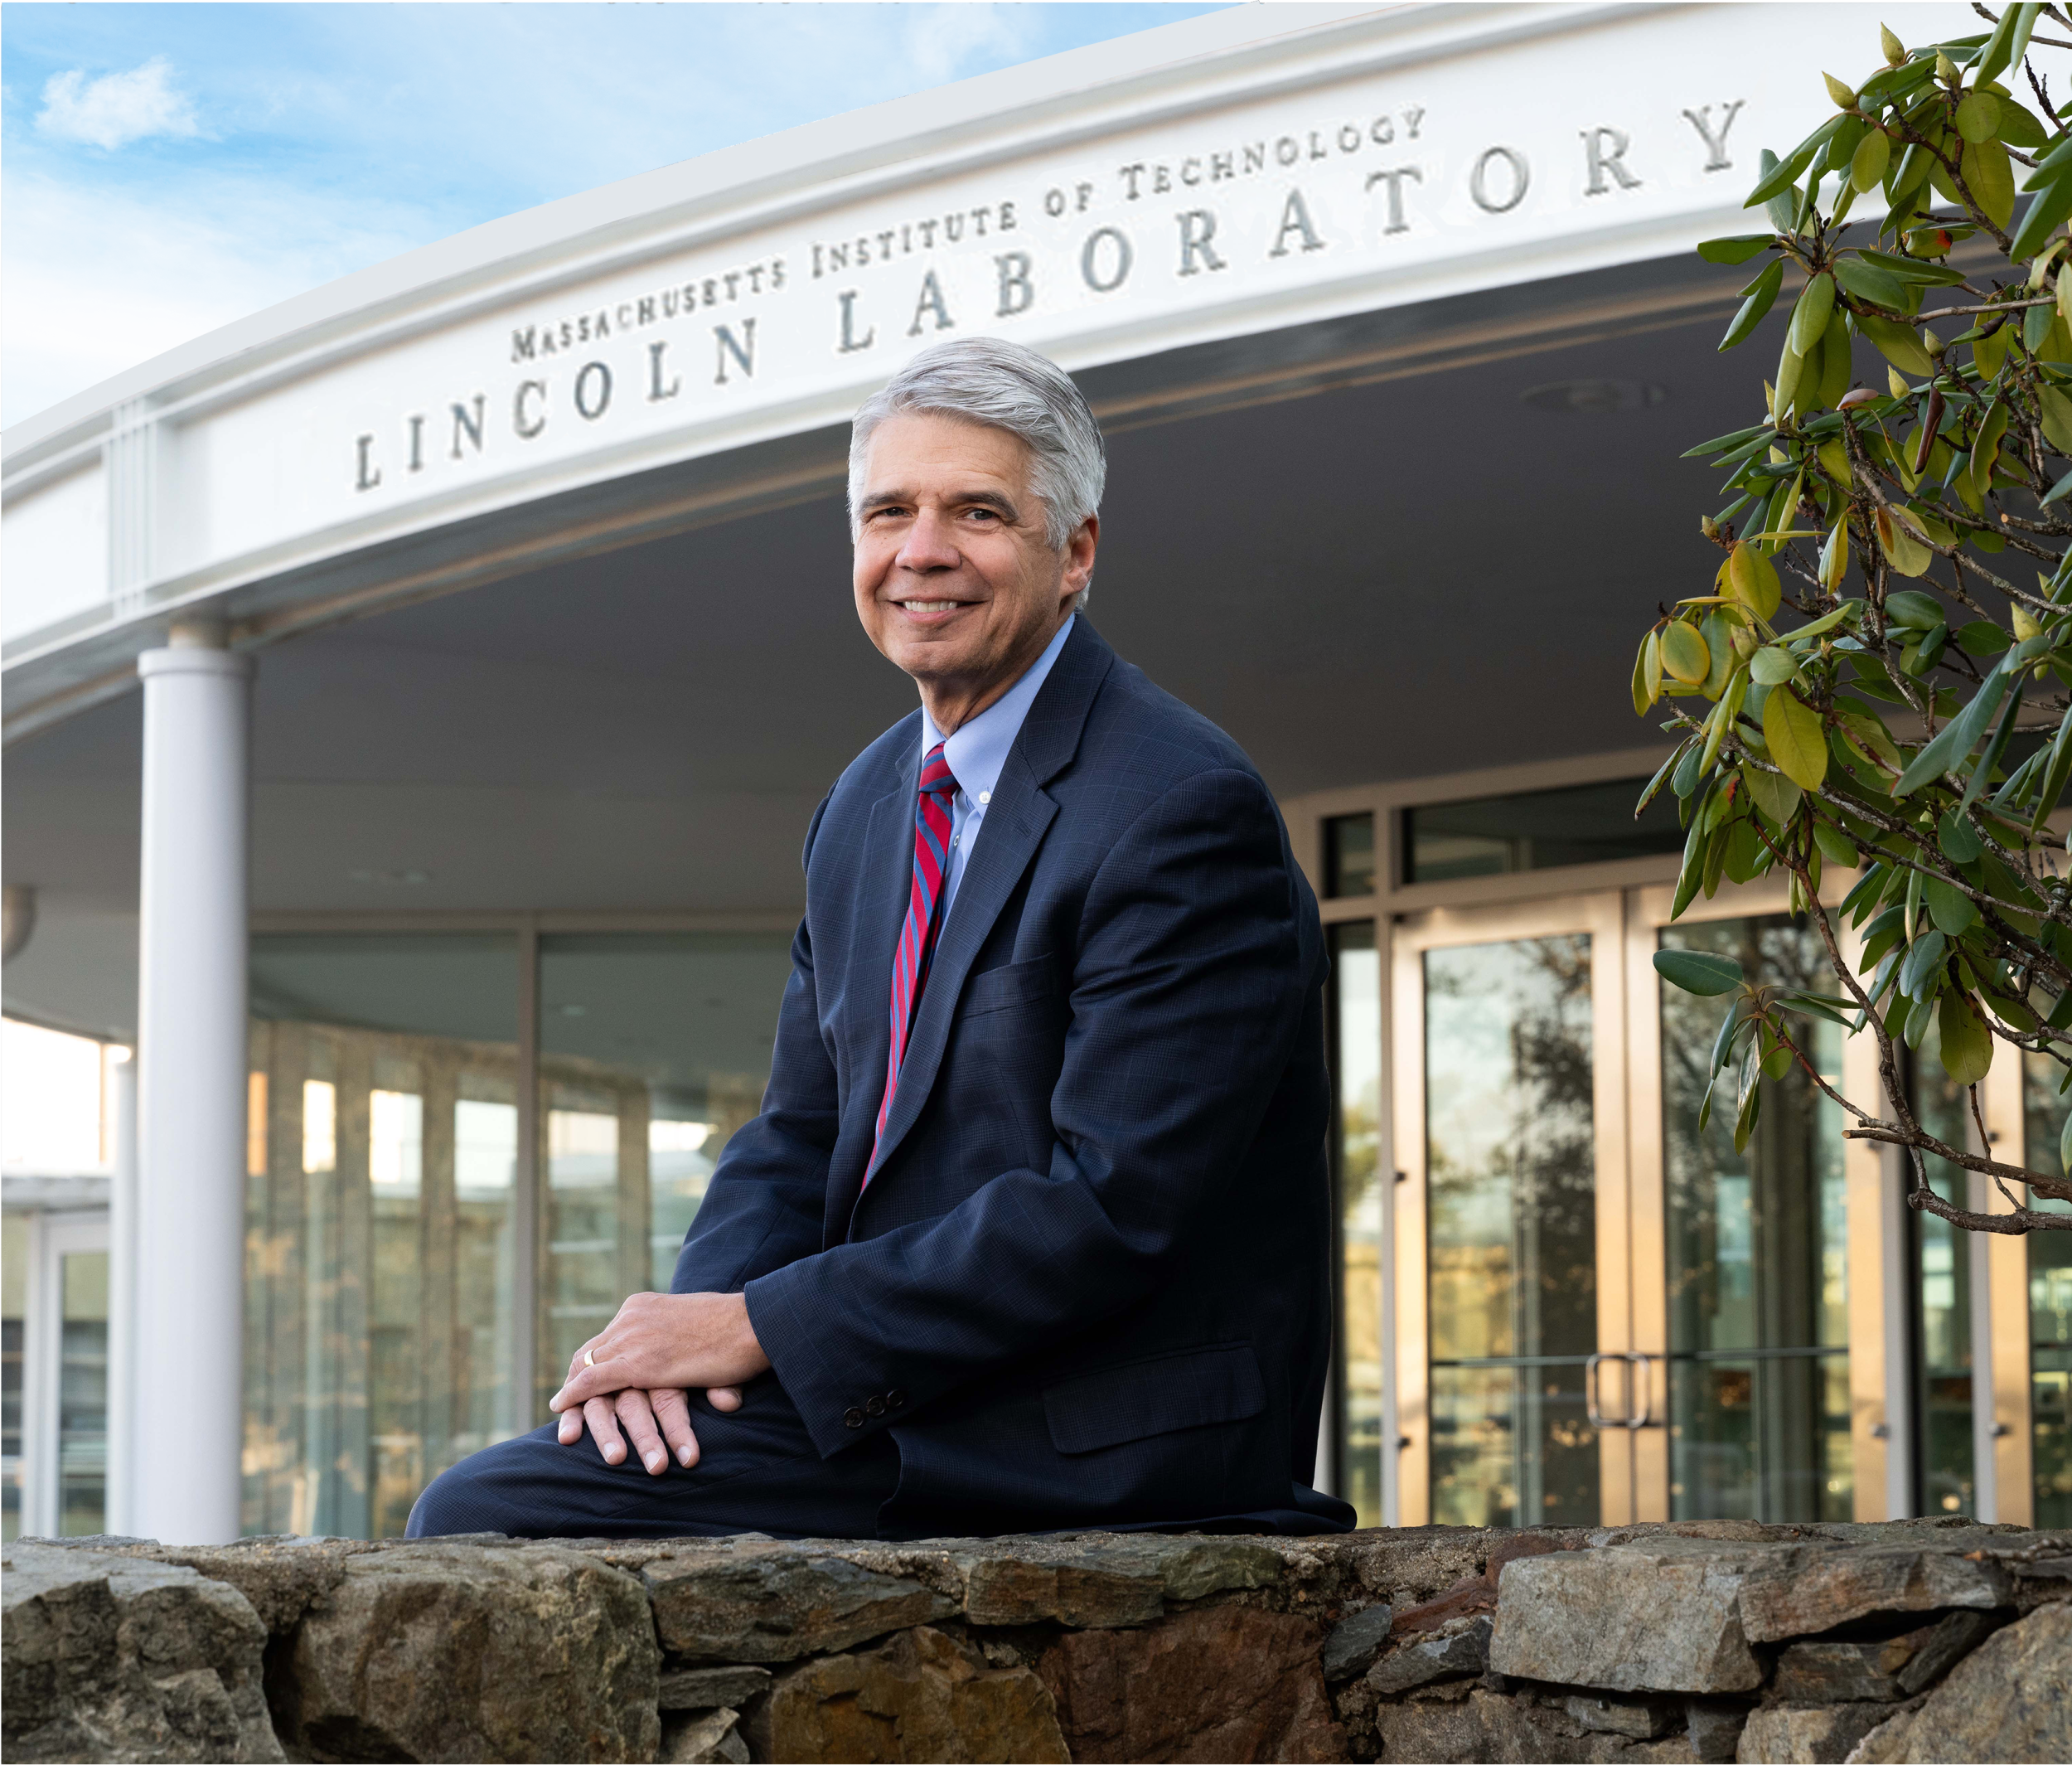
column 758, row 1471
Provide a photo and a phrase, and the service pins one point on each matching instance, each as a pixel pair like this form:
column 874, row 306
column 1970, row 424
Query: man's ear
column 1079, row 553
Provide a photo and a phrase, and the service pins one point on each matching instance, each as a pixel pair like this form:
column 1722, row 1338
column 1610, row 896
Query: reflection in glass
column 1349, row 856
column 584, row 1282
column 379, row 1291
column 481, row 1400
column 654, row 1048
column 2049, row 1299
column 82, row 1394
column 1511, row 1179
column 1758, row 1411
column 1536, row 831
column 1356, row 1060
column 1942, row 1302
column 14, row 1280
column 383, row 1177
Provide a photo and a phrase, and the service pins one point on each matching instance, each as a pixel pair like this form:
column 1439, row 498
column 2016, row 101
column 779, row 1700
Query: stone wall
column 1922, row 1640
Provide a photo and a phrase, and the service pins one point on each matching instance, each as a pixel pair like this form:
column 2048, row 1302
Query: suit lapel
column 881, row 909
column 1015, row 823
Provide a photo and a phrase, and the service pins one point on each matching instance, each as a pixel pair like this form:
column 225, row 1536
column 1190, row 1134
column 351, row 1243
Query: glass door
column 1759, row 1299
column 1518, row 1404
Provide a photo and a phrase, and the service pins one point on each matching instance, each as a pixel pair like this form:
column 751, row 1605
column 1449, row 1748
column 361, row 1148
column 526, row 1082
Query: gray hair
column 1002, row 386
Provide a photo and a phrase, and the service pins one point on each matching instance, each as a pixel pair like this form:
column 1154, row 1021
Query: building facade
column 416, row 696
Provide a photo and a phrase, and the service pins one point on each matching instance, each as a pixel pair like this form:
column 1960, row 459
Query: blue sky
column 170, row 168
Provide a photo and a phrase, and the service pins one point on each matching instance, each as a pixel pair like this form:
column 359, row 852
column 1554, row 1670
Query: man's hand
column 638, row 1369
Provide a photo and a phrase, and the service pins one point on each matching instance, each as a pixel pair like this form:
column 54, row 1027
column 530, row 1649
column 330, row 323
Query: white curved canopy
column 617, row 365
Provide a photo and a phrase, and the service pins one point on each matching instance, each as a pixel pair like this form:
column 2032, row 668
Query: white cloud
column 117, row 109
column 98, row 281
column 941, row 42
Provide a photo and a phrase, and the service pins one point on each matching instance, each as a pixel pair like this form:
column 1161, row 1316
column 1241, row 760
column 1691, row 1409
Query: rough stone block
column 1885, row 1671
column 1487, row 1726
column 1714, row 1729
column 1085, row 1595
column 1459, row 1651
column 1636, row 1718
column 114, row 1658
column 1223, row 1682
column 439, row 1651
column 1821, row 1735
column 712, row 1688
column 281, row 1575
column 1941, row 1646
column 1884, row 1743
column 762, row 1601
column 1804, row 1591
column 1844, row 1672
column 919, row 1697
column 706, row 1738
column 1103, row 1581
column 1659, row 1615
column 2006, row 1700
column 1350, row 1649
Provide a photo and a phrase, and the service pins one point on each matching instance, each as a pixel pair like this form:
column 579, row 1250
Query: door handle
column 1591, row 1408
column 1639, row 1382
column 1644, row 1382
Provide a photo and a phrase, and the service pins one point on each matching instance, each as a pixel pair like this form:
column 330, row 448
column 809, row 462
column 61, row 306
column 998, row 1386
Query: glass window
column 380, row 1235
column 2050, row 1300
column 1511, row 1200
column 654, row 1048
column 1349, row 856
column 1759, row 1396
column 1537, row 830
column 82, row 1394
column 1942, row 1293
column 383, row 1288
column 14, row 1282
column 1355, row 1062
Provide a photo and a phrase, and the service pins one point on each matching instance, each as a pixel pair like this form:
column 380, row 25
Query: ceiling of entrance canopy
column 1424, row 573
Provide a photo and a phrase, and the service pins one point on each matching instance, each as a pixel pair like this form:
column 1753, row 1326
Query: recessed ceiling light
column 1572, row 396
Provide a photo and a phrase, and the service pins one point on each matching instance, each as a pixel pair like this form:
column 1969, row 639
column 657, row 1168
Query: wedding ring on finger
column 589, row 1359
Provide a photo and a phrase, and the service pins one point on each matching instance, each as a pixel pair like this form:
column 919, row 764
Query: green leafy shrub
column 1879, row 676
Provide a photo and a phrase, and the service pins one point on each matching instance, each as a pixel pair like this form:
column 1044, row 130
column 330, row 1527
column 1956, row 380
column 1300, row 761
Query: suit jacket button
column 893, row 1399
column 852, row 1418
column 874, row 1407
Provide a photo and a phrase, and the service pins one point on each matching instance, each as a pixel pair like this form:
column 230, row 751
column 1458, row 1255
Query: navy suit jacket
column 1088, row 1285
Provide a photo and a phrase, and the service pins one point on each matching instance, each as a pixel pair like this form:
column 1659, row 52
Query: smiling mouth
column 929, row 606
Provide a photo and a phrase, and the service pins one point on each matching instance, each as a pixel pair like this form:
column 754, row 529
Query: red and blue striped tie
column 924, row 919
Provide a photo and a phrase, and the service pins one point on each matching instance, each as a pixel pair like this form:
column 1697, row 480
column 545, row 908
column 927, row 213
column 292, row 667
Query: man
column 1032, row 1231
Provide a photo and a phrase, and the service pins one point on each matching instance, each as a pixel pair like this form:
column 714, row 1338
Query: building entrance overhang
column 1385, row 500
column 638, row 358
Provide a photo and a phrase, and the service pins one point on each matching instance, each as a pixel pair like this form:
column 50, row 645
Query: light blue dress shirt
column 978, row 751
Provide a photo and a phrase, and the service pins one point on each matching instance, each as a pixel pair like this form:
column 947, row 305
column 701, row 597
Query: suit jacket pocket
column 999, row 989
column 1143, row 1398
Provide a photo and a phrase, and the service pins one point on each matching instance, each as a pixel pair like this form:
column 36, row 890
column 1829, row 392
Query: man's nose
column 928, row 544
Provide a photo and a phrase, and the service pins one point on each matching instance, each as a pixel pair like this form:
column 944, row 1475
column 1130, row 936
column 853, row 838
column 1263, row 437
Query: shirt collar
column 978, row 750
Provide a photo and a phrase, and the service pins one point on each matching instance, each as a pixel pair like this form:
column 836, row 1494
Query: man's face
column 955, row 581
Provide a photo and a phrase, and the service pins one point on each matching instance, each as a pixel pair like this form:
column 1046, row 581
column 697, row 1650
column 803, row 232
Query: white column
column 122, row 1300
column 191, row 1085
